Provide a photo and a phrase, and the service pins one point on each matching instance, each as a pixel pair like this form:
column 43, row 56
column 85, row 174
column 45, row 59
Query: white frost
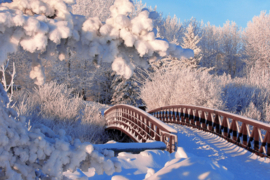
column 36, row 24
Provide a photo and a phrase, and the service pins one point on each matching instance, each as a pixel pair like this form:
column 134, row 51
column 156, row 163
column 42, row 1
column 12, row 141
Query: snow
column 37, row 73
column 35, row 24
column 191, row 168
column 200, row 155
column 122, row 68
column 239, row 162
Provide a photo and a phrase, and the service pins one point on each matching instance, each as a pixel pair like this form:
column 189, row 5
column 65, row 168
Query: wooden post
column 203, row 121
column 217, row 124
column 171, row 144
column 197, row 118
column 210, row 122
column 255, row 137
column 191, row 117
column 224, row 126
column 178, row 116
column 182, row 116
column 233, row 129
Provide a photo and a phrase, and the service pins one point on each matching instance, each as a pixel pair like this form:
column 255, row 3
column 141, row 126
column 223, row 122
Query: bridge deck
column 242, row 163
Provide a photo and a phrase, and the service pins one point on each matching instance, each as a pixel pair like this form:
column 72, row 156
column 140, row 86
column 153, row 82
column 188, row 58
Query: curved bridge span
column 141, row 126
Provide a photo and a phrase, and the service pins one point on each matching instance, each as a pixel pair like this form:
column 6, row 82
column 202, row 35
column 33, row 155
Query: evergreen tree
column 101, row 90
column 125, row 91
column 190, row 41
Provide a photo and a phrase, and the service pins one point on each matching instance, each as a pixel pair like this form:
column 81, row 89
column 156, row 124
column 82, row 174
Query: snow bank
column 202, row 156
column 140, row 163
column 157, row 164
column 192, row 168
column 179, row 165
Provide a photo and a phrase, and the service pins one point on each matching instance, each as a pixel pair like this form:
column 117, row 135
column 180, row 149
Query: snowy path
column 240, row 162
column 200, row 155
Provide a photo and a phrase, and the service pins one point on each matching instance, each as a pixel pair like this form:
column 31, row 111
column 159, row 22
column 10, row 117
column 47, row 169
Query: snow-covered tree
column 191, row 41
column 93, row 8
column 170, row 62
column 48, row 29
column 186, row 86
column 197, row 26
column 169, row 28
column 209, row 45
column 89, row 38
column 257, row 46
column 138, row 7
column 100, row 89
column 222, row 48
column 125, row 91
column 230, row 48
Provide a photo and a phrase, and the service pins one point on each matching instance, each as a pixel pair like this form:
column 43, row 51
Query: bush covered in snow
column 248, row 96
column 55, row 106
column 181, row 86
column 41, row 153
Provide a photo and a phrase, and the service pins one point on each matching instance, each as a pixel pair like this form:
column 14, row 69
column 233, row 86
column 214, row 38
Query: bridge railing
column 140, row 126
column 245, row 132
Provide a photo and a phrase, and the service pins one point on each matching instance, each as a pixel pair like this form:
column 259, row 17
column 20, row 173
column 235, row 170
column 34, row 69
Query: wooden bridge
column 142, row 126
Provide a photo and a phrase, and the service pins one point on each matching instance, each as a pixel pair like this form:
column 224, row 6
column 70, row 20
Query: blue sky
column 217, row 12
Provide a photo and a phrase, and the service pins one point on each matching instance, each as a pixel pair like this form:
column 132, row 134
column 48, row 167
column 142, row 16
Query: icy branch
column 37, row 25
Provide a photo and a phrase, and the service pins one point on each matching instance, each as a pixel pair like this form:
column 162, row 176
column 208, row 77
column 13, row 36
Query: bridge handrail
column 144, row 126
column 140, row 127
column 216, row 111
column 245, row 132
column 154, row 119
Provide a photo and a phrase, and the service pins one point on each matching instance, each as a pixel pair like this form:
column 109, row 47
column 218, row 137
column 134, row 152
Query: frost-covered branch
column 121, row 40
column 8, row 87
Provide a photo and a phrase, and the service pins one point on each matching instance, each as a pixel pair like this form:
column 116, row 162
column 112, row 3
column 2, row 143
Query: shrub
column 40, row 153
column 181, row 86
column 54, row 106
column 248, row 96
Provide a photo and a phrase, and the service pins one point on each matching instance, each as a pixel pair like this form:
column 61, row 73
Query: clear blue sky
column 217, row 12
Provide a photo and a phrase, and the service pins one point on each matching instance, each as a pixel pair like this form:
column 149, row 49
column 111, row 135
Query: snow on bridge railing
column 245, row 132
column 140, row 126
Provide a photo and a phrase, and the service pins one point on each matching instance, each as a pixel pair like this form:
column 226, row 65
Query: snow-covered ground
column 200, row 155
